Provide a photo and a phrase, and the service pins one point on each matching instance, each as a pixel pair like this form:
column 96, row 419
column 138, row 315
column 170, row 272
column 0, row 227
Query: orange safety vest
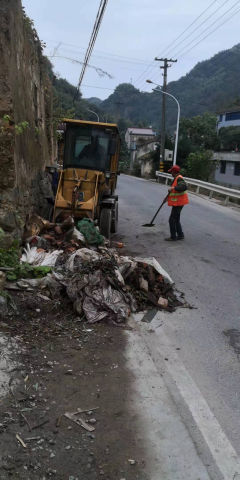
column 177, row 199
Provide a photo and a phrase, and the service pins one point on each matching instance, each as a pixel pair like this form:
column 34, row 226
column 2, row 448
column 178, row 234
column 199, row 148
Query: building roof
column 141, row 131
column 228, row 110
column 87, row 122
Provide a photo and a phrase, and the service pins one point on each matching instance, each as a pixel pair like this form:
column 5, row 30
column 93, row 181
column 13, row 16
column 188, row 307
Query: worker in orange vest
column 177, row 198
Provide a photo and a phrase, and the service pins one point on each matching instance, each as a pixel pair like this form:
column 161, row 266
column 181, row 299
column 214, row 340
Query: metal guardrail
column 228, row 192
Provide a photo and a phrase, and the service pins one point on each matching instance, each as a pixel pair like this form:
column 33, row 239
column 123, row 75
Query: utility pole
column 164, row 89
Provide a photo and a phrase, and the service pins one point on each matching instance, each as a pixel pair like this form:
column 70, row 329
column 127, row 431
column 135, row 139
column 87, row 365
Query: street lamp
column 178, row 118
column 94, row 113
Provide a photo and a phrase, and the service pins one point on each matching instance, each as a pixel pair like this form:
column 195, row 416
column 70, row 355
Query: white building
column 228, row 169
column 139, row 140
column 229, row 117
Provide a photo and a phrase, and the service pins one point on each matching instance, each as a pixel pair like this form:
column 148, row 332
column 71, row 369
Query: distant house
column 227, row 172
column 140, row 141
column 229, row 117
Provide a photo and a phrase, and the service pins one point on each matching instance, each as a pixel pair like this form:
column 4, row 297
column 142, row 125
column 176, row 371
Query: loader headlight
column 107, row 174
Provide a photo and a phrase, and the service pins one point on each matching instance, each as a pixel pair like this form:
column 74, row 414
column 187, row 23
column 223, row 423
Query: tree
column 229, row 138
column 196, row 133
column 200, row 165
column 232, row 104
column 200, row 130
column 123, row 124
column 124, row 161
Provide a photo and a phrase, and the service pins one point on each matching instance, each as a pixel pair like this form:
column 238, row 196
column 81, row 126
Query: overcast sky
column 137, row 29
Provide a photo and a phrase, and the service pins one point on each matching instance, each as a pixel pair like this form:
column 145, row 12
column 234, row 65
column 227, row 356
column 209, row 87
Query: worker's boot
column 170, row 239
column 180, row 237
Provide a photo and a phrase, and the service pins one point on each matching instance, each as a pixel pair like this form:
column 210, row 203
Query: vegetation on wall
column 19, row 127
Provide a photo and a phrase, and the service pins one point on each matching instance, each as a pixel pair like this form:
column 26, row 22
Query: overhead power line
column 99, row 70
column 187, row 28
column 215, row 11
column 210, row 33
column 213, row 66
column 155, row 75
column 105, row 58
column 97, row 24
column 223, row 56
column 98, row 51
column 223, row 15
column 175, row 41
column 102, row 88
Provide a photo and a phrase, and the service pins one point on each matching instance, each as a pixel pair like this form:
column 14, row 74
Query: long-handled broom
column 151, row 224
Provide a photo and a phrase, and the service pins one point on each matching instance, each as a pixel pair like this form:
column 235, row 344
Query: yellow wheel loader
column 88, row 179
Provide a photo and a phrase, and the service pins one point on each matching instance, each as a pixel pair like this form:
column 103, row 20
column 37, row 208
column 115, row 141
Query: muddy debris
column 78, row 264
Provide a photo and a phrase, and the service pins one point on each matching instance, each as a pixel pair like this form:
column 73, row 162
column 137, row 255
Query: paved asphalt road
column 206, row 267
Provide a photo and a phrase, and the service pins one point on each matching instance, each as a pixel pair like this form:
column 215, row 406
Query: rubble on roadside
column 84, row 266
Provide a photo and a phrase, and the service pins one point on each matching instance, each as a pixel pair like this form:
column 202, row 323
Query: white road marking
column 221, row 449
column 169, row 451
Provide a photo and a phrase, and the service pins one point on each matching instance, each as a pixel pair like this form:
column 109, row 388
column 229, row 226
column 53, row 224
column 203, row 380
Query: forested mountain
column 210, row 85
column 94, row 101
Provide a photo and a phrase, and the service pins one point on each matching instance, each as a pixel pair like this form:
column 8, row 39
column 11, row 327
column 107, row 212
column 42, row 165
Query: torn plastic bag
column 119, row 276
column 94, row 312
column 84, row 255
column 129, row 299
column 32, row 256
column 105, row 302
column 77, row 306
column 75, row 284
column 75, row 235
column 153, row 262
column 39, row 242
column 40, row 258
column 126, row 266
column 87, row 228
column 52, row 281
column 95, row 278
column 42, row 282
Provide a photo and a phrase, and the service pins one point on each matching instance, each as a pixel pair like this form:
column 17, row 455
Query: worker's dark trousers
column 174, row 222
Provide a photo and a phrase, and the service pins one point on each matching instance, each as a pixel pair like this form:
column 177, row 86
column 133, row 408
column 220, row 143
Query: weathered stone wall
column 25, row 95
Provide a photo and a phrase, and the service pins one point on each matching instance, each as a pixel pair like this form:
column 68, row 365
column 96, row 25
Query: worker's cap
column 175, row 168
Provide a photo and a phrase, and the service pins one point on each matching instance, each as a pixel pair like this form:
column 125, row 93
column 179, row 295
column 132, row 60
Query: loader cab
column 89, row 146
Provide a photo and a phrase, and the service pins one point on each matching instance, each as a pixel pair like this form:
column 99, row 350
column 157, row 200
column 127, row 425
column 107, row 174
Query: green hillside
column 95, row 101
column 210, row 85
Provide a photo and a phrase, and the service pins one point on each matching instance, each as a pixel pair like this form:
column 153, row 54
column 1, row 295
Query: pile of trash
column 101, row 284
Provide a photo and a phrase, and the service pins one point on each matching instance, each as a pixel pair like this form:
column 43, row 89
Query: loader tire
column 105, row 222
column 114, row 222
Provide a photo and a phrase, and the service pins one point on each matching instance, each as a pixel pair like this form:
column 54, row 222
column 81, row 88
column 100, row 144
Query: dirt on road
column 66, row 365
